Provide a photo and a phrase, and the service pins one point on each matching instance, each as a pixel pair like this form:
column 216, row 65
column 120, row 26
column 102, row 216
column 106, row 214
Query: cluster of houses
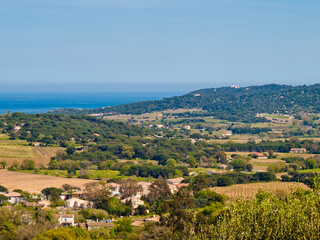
column 78, row 200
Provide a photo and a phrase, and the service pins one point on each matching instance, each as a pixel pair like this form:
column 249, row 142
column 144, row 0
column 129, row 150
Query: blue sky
column 157, row 45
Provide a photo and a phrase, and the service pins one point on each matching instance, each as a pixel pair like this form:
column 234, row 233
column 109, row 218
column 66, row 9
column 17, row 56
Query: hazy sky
column 160, row 45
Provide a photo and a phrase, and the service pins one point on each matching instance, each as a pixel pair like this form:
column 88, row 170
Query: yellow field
column 251, row 189
column 34, row 183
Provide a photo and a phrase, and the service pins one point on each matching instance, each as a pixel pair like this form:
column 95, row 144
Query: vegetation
column 233, row 104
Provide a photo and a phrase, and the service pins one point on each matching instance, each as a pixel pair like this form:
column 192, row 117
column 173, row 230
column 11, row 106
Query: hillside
column 58, row 129
column 233, row 104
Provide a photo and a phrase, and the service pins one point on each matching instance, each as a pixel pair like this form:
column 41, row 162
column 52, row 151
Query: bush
column 28, row 164
column 3, row 189
column 224, row 181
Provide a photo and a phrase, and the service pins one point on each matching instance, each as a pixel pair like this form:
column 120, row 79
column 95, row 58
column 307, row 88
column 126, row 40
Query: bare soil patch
column 34, row 183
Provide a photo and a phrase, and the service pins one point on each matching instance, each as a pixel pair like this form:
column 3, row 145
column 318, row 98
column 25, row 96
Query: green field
column 276, row 116
column 316, row 170
column 94, row 174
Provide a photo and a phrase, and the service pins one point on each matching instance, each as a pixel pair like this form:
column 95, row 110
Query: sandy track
column 34, row 183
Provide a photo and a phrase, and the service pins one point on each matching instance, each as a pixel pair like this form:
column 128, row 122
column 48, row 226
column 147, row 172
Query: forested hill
column 234, row 104
column 58, row 129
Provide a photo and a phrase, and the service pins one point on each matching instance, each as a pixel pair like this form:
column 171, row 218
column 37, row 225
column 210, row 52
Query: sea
column 44, row 102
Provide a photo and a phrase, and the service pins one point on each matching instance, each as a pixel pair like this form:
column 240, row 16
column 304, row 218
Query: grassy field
column 147, row 117
column 94, row 174
column 251, row 189
column 316, row 170
column 34, row 183
column 276, row 116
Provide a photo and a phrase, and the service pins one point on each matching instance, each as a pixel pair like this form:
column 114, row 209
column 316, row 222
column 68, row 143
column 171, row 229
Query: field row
column 16, row 153
column 251, row 189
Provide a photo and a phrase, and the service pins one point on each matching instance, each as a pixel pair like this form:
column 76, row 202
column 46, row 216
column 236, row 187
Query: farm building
column 13, row 197
column 298, row 150
column 259, row 155
column 92, row 225
column 66, row 220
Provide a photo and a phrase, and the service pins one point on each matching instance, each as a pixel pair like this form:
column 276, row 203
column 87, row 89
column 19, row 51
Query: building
column 114, row 188
column 223, row 166
column 13, row 197
column 31, row 204
column 298, row 150
column 79, row 194
column 153, row 219
column 175, row 184
column 137, row 223
column 175, row 180
column 136, row 201
column 66, row 220
column 259, row 155
column 91, row 225
column 145, row 187
column 44, row 203
column 77, row 203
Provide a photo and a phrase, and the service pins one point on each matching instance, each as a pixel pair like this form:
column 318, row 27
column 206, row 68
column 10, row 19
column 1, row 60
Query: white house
column 66, row 220
column 114, row 188
column 136, row 201
column 77, row 203
column 13, row 197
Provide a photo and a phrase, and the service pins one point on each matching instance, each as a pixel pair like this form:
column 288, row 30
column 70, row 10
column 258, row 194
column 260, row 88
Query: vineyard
column 251, row 189
column 16, row 151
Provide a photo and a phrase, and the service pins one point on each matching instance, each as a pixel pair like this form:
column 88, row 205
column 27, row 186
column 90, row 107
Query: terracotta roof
column 153, row 219
column 175, row 180
column 137, row 223
column 100, row 224
column 66, row 215
column 113, row 185
column 12, row 194
column 182, row 185
column 31, row 204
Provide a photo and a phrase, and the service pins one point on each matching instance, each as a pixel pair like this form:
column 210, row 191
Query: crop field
column 34, row 183
column 251, row 189
column 47, row 152
column 263, row 164
column 278, row 155
column 18, row 150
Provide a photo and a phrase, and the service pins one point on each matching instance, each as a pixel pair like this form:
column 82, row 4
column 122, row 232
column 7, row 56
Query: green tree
column 127, row 151
column 171, row 163
column 124, row 225
column 159, row 191
column 28, row 164
column 3, row 189
column 52, row 193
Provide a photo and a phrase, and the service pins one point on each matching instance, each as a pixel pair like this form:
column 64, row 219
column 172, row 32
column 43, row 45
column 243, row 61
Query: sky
column 156, row 45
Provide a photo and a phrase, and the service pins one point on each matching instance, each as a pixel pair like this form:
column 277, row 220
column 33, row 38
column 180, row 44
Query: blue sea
column 43, row 102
